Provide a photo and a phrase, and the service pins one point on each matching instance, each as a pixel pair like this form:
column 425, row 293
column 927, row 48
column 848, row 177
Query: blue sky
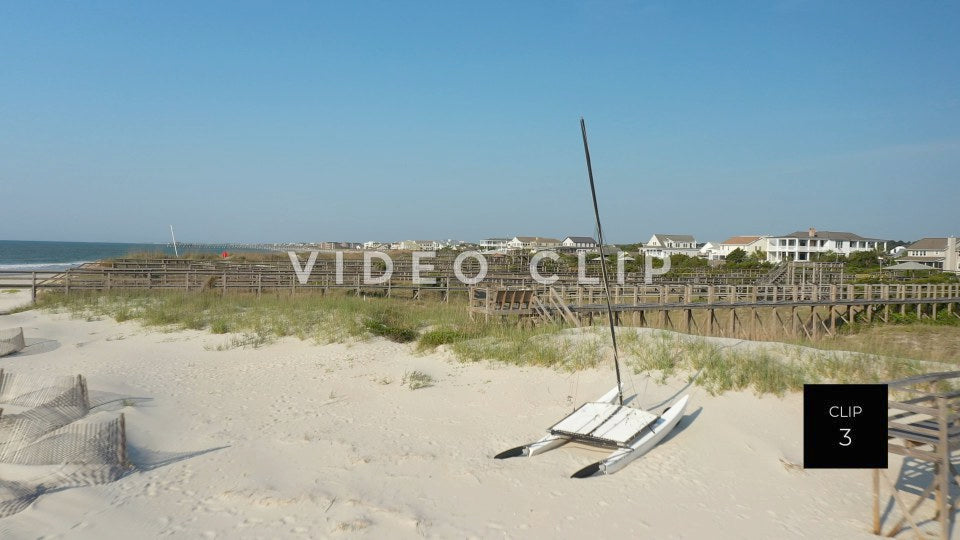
column 307, row 121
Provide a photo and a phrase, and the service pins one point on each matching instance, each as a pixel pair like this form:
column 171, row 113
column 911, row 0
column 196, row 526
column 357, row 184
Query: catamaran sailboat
column 607, row 422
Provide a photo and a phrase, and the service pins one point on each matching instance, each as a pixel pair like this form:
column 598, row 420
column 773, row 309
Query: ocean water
column 30, row 255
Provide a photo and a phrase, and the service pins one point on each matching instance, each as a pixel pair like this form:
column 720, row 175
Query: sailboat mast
column 176, row 253
column 603, row 262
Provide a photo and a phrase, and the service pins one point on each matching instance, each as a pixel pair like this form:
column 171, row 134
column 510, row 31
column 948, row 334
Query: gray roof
column 829, row 235
column 909, row 265
column 581, row 239
column 934, row 244
column 922, row 259
column 676, row 237
column 540, row 239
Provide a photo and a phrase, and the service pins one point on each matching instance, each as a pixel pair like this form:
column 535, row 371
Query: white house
column 533, row 243
column 749, row 244
column 429, row 245
column 662, row 245
column 710, row 251
column 935, row 253
column 579, row 244
column 494, row 244
column 413, row 245
column 807, row 245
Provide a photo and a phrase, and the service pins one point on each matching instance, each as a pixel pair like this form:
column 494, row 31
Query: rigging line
column 603, row 262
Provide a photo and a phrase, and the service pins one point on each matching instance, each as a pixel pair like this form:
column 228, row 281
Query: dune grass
column 333, row 318
column 767, row 368
column 341, row 317
column 416, row 380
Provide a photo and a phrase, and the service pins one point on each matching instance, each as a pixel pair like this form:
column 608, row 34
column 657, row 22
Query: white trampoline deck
column 604, row 423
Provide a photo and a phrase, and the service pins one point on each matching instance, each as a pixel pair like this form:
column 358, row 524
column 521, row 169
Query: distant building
column 710, row 251
column 934, row 253
column 494, row 244
column 428, row 245
column 406, row 245
column 533, row 243
column 749, row 244
column 808, row 245
column 579, row 244
column 375, row 245
column 335, row 246
column 664, row 245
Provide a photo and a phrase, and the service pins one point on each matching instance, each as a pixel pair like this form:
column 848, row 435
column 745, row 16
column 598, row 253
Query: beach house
column 749, row 244
column 810, row 244
column 533, row 243
column 494, row 244
column 663, row 245
column 579, row 244
column 940, row 253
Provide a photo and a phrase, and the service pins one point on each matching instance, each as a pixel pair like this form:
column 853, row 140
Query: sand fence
column 50, row 440
column 11, row 341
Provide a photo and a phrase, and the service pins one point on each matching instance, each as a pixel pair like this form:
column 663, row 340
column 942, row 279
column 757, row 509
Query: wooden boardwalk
column 766, row 311
column 279, row 276
column 741, row 311
column 923, row 426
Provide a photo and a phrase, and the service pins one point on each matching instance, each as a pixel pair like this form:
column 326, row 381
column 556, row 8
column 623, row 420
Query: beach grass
column 416, row 380
column 872, row 354
column 765, row 367
column 330, row 318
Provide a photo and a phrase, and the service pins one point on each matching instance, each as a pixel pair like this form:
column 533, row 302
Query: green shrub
column 416, row 380
column 219, row 326
column 442, row 336
column 389, row 323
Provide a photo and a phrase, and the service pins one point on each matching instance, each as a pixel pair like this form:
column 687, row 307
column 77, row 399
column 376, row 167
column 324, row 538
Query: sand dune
column 300, row 440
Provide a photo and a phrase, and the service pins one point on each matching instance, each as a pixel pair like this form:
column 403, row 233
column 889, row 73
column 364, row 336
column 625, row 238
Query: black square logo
column 845, row 426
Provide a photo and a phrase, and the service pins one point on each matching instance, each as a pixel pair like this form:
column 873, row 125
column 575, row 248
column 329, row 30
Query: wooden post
column 67, row 285
column 259, row 284
column 833, row 309
column 794, row 319
column 33, row 288
column 876, row 501
column 943, row 468
column 814, row 325
column 886, row 305
column 223, row 285
column 487, row 306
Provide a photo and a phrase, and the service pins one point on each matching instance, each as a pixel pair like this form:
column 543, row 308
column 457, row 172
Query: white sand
column 10, row 300
column 322, row 441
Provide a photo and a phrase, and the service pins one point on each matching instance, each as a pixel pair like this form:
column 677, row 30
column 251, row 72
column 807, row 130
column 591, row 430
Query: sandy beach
column 300, row 440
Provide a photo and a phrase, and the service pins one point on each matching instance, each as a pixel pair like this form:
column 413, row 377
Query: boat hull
column 550, row 441
column 652, row 436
